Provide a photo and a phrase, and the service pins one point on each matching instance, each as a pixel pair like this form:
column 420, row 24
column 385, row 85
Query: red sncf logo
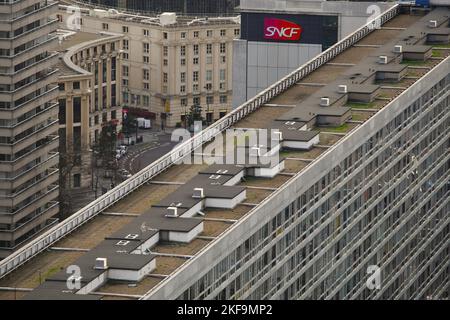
column 278, row 29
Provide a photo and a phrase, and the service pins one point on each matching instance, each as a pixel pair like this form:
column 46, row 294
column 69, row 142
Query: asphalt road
column 141, row 156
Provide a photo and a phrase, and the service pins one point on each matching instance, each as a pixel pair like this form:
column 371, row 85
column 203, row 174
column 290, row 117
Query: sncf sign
column 278, row 29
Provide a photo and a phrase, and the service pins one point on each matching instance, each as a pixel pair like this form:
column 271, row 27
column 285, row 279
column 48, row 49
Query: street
column 155, row 145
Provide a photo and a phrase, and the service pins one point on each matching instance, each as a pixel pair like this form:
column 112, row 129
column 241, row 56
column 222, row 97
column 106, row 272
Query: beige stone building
column 89, row 98
column 169, row 63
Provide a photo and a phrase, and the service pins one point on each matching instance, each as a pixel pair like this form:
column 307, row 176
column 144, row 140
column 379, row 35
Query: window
column 125, row 82
column 146, row 74
column 76, row 109
column 195, row 87
column 195, row 60
column 146, row 47
column 183, row 77
column 183, row 35
column 195, row 76
column 223, row 48
column 165, row 35
column 209, row 33
column 105, row 26
column 237, row 32
column 77, row 180
column 196, row 33
column 125, row 44
column 61, row 86
column 76, row 85
column 183, row 51
column 223, row 33
column 209, row 48
column 209, row 99
column 125, row 71
column 146, row 100
column 195, row 49
column 165, row 77
column 146, row 32
column 208, row 86
column 182, row 89
column 222, row 74
column 208, row 75
column 183, row 102
column 196, row 101
column 183, row 62
column 125, row 56
column 165, row 51
column 223, row 99
column 222, row 86
column 125, row 29
column 146, row 86
column 208, row 60
column 114, row 114
column 146, row 59
column 165, row 62
column 62, row 111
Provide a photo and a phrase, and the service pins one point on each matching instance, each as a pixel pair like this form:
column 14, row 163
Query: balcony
column 51, row 112
column 19, row 231
column 21, row 178
column 17, row 198
column 47, row 130
column 51, row 195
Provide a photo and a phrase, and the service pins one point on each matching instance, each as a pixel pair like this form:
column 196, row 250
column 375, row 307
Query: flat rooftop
column 170, row 256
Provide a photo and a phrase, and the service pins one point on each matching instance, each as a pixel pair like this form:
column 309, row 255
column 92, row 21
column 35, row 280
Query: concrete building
column 28, row 121
column 371, row 193
column 262, row 55
column 170, row 63
column 89, row 98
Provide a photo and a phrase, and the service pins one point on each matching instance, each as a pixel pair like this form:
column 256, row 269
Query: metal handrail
column 42, row 242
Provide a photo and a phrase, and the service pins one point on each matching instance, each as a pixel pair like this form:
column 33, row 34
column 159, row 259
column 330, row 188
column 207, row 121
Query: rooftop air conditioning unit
column 398, row 49
column 101, row 264
column 382, row 59
column 255, row 151
column 172, row 212
column 325, row 102
column 167, row 18
column 432, row 24
column 198, row 193
column 277, row 135
column 342, row 88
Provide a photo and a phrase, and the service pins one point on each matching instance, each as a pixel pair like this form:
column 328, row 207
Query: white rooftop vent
column 122, row 243
column 342, row 88
column 222, row 171
column 382, row 59
column 132, row 236
column 101, row 264
column 172, row 212
column 100, row 13
column 289, row 123
column 277, row 135
column 167, row 18
column 215, row 176
column 255, row 151
column 432, row 24
column 325, row 102
column 198, row 193
column 398, row 49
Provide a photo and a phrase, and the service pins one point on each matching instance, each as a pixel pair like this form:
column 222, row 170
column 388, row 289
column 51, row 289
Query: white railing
column 42, row 242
